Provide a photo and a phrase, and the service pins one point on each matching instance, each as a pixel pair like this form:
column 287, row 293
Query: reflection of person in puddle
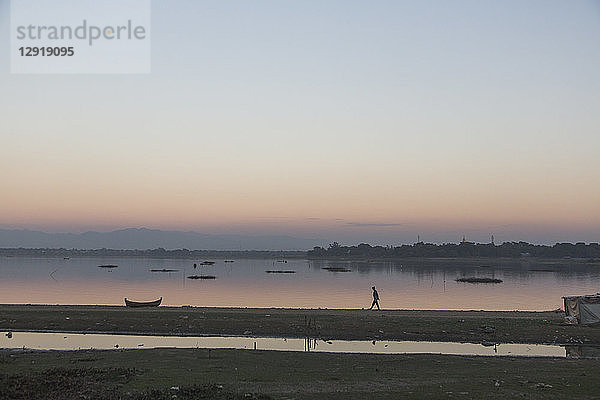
column 375, row 299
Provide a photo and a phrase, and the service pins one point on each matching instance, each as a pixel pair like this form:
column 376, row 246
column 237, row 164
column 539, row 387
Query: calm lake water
column 413, row 284
column 74, row 341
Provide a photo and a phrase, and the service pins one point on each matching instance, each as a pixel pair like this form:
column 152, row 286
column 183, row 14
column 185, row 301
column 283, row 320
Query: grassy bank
column 463, row 326
column 144, row 374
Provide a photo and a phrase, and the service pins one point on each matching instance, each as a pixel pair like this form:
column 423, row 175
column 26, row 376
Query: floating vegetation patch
column 280, row 271
column 202, row 277
column 164, row 270
column 479, row 280
column 108, row 266
column 337, row 269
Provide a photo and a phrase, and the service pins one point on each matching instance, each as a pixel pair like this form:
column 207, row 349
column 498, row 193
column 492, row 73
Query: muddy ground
column 461, row 326
column 256, row 374
column 248, row 374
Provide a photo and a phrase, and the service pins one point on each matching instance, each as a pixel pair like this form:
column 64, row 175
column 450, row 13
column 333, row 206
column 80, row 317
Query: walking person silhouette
column 375, row 299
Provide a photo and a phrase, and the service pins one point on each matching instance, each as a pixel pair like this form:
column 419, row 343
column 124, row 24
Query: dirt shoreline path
column 461, row 326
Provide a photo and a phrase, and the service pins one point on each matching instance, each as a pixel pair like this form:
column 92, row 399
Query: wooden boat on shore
column 131, row 303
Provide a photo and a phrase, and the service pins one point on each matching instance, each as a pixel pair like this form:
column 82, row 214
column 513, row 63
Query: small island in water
column 479, row 280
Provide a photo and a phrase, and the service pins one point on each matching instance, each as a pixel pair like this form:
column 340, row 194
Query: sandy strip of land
column 460, row 326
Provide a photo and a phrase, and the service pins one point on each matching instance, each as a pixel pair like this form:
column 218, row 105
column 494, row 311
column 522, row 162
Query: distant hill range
column 142, row 238
column 157, row 243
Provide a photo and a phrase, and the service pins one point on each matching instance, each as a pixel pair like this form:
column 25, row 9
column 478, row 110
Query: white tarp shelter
column 586, row 309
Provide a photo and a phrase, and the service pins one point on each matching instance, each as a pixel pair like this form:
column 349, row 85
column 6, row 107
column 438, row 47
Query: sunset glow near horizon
column 363, row 122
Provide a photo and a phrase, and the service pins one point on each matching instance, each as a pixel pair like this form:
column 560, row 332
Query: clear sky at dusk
column 362, row 121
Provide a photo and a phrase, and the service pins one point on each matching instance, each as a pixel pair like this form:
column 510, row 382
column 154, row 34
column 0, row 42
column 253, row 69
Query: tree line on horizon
column 590, row 251
column 150, row 253
column 463, row 249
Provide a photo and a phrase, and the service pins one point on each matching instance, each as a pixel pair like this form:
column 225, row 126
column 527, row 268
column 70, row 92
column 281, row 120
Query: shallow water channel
column 78, row 341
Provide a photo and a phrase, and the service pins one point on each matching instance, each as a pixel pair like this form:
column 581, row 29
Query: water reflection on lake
column 412, row 284
column 74, row 341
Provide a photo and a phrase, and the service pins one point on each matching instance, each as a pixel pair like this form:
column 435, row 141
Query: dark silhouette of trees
column 590, row 251
column 463, row 249
column 150, row 253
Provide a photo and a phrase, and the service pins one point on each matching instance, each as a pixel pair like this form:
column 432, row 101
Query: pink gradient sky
column 322, row 121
